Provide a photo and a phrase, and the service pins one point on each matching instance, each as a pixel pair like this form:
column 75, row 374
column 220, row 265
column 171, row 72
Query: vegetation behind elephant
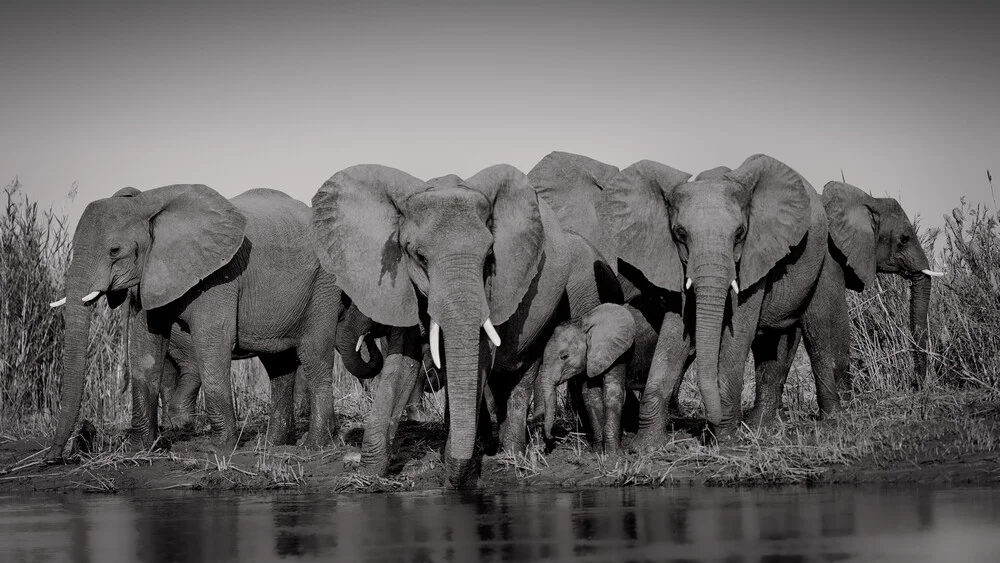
column 872, row 235
column 453, row 257
column 240, row 275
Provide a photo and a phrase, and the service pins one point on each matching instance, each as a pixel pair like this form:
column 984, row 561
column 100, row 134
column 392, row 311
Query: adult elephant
column 480, row 260
column 239, row 275
column 872, row 235
column 748, row 246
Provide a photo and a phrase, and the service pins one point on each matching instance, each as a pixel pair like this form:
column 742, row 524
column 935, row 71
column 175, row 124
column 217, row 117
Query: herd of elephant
column 577, row 267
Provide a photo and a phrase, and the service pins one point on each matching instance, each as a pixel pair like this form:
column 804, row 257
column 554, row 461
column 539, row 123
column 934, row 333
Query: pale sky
column 903, row 96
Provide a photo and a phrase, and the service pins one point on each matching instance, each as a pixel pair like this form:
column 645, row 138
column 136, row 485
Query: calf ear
column 852, row 218
column 610, row 333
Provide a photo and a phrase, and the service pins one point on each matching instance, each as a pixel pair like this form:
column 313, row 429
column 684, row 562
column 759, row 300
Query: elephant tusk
column 91, row 296
column 687, row 285
column 491, row 332
column 361, row 340
column 436, row 344
column 735, row 286
column 58, row 303
column 932, row 273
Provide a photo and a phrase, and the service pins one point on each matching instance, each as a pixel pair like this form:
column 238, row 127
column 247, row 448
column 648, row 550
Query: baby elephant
column 591, row 344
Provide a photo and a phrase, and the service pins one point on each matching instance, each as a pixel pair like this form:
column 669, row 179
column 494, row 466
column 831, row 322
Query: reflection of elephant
column 455, row 256
column 748, row 245
column 240, row 275
column 590, row 344
column 872, row 235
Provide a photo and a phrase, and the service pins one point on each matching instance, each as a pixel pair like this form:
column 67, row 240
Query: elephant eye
column 115, row 251
column 905, row 238
column 740, row 233
column 680, row 234
column 563, row 356
column 420, row 257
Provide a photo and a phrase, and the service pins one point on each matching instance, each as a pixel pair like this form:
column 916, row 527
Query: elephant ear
column 633, row 212
column 571, row 184
column 356, row 216
column 610, row 332
column 779, row 214
column 850, row 216
column 116, row 298
column 517, row 235
column 195, row 231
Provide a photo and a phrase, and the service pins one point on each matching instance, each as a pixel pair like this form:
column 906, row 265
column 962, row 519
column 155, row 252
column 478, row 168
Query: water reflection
column 862, row 524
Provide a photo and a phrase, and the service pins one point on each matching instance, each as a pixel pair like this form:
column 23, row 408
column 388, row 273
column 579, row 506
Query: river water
column 685, row 524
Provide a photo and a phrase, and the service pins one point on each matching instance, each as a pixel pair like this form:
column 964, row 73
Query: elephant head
column 726, row 231
column 874, row 235
column 161, row 242
column 457, row 254
column 591, row 344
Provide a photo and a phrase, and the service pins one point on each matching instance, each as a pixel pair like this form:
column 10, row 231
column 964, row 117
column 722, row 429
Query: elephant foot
column 278, row 437
column 462, row 473
column 370, row 464
column 648, row 440
column 761, row 418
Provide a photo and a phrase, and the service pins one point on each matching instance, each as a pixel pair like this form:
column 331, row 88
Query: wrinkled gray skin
column 761, row 225
column 456, row 253
column 590, row 344
column 240, row 275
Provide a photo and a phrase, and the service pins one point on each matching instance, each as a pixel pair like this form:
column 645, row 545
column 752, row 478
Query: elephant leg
column 317, row 365
column 671, row 359
column 147, row 351
column 213, row 345
column 399, row 374
column 773, row 354
column 826, row 329
column 614, row 400
column 734, row 349
column 513, row 427
column 591, row 394
column 282, row 370
column 185, row 397
column 169, row 383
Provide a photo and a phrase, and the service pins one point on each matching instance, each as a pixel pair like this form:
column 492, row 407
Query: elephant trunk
column 352, row 326
column 712, row 279
column 548, row 379
column 920, row 294
column 77, row 317
column 460, row 309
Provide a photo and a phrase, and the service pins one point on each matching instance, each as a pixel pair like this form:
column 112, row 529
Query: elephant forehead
column 720, row 202
column 447, row 201
column 105, row 219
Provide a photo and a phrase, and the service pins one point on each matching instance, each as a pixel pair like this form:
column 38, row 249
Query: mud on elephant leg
column 399, row 375
column 214, row 344
column 670, row 360
column 282, row 371
column 773, row 354
column 513, row 427
column 148, row 342
column 178, row 394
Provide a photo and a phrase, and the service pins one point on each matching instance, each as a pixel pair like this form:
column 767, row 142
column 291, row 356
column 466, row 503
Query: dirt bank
column 917, row 439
